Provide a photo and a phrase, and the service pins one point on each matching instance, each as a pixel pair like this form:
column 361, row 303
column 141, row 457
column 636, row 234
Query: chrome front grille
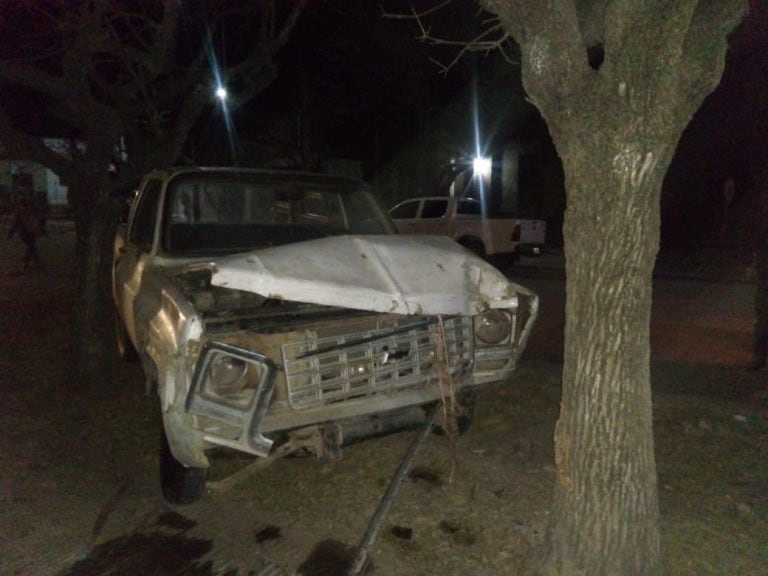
column 332, row 369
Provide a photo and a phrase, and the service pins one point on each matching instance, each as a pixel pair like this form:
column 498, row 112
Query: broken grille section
column 333, row 369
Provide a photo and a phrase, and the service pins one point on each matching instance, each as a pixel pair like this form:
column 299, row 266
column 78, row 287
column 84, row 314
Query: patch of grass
column 713, row 478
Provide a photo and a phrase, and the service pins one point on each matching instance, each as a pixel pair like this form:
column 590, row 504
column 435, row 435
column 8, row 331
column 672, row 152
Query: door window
column 470, row 207
column 434, row 208
column 144, row 219
column 406, row 210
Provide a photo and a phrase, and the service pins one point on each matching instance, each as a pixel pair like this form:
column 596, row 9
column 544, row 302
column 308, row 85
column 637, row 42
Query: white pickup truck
column 463, row 221
column 279, row 311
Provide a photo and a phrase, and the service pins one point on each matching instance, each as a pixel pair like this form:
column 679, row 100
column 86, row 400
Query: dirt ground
column 79, row 485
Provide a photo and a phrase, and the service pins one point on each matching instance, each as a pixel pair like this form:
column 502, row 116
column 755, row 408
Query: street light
column 481, row 167
column 221, row 93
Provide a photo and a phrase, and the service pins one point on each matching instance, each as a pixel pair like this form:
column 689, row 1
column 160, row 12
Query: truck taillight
column 516, row 233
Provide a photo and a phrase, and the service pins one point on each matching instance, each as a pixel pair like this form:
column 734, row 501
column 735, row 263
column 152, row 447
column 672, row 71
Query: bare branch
column 43, row 35
column 479, row 43
column 414, row 14
column 120, row 78
column 20, row 146
column 288, row 26
column 135, row 31
column 139, row 40
column 164, row 48
column 260, row 58
column 270, row 19
column 253, row 89
column 35, row 78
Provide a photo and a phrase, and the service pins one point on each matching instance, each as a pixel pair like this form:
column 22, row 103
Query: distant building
column 21, row 178
column 29, row 180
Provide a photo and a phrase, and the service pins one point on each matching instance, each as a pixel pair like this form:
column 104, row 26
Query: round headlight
column 226, row 375
column 493, row 327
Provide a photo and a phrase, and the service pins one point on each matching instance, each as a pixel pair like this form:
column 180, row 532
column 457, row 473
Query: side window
column 471, row 207
column 145, row 216
column 434, row 208
column 406, row 211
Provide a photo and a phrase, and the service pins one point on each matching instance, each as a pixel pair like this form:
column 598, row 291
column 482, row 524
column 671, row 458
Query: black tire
column 125, row 350
column 180, row 484
column 474, row 245
column 504, row 261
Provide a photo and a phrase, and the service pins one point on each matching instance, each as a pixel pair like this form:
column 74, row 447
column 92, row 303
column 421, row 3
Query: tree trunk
column 96, row 222
column 617, row 82
column 605, row 501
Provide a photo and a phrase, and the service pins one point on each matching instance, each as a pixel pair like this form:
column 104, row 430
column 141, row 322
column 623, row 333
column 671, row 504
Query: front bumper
column 529, row 249
column 336, row 378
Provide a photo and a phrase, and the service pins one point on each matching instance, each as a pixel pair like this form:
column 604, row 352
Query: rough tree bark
column 617, row 82
column 93, row 332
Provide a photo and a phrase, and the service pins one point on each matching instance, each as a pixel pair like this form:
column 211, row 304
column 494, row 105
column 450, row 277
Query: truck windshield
column 228, row 212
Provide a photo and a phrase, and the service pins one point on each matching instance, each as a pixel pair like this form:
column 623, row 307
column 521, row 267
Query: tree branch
column 288, row 26
column 703, row 56
column 415, row 15
column 554, row 58
column 21, row 146
column 120, row 78
column 164, row 49
column 34, row 78
column 260, row 58
column 480, row 43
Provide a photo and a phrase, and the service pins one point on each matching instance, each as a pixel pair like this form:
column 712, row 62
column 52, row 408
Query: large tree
column 617, row 81
column 118, row 76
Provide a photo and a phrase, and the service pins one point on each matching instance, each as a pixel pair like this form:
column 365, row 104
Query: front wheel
column 504, row 260
column 180, row 484
column 474, row 245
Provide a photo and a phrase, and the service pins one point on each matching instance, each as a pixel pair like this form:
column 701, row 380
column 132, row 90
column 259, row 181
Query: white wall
column 54, row 190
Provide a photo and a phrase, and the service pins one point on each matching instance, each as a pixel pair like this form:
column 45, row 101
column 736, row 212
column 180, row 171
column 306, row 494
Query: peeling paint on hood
column 398, row 274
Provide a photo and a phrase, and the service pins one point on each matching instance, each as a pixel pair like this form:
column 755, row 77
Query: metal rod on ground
column 361, row 553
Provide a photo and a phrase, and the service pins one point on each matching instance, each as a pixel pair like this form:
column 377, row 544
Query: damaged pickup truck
column 278, row 311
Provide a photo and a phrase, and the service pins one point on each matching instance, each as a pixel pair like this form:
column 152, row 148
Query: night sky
column 355, row 85
column 727, row 138
column 353, row 74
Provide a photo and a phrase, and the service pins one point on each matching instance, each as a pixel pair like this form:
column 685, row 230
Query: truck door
column 405, row 216
column 131, row 257
column 434, row 218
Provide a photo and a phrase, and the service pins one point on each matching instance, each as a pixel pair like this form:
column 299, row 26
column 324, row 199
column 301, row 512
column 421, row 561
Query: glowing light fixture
column 482, row 167
column 222, row 95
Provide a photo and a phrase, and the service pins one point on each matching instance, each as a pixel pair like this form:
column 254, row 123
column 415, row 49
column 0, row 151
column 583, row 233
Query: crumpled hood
column 398, row 274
